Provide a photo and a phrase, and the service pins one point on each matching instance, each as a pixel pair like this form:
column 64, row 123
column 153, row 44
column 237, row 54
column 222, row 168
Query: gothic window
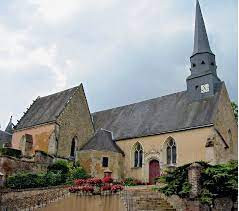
column 194, row 65
column 73, row 144
column 203, row 62
column 105, row 161
column 212, row 63
column 171, row 152
column 138, row 155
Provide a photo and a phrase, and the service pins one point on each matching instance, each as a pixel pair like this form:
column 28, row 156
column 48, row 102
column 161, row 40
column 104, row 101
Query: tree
column 235, row 110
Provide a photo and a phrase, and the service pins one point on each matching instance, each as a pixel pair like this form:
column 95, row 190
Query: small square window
column 105, row 161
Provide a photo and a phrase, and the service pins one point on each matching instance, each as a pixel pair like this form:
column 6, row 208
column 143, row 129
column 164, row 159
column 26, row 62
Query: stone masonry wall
column 91, row 161
column 224, row 120
column 31, row 198
column 10, row 165
column 75, row 121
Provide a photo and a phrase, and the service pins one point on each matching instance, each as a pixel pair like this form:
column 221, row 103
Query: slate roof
column 5, row 137
column 102, row 141
column 160, row 115
column 46, row 109
column 9, row 128
column 201, row 44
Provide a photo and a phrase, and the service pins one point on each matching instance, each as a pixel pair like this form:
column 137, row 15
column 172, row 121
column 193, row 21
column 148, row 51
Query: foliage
column 217, row 181
column 78, row 173
column 33, row 180
column 130, row 181
column 11, row 152
column 235, row 110
column 62, row 168
column 176, row 182
column 54, row 178
column 60, row 165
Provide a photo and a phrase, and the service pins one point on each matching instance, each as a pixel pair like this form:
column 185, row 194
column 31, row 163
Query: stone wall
column 31, row 198
column 41, row 135
column 10, row 165
column 91, row 161
column 225, row 121
column 74, row 122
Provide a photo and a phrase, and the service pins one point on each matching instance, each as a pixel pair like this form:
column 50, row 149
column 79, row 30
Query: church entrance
column 154, row 170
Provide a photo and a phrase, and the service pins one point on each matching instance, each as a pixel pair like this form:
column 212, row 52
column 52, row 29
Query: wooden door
column 154, row 171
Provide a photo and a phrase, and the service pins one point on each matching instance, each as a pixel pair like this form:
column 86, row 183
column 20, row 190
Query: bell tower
column 203, row 79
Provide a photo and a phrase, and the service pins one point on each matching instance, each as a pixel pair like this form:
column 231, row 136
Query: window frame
column 138, row 154
column 104, row 159
column 171, row 147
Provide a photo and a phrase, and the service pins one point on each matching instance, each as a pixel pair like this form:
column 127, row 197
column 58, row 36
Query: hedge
column 33, row 180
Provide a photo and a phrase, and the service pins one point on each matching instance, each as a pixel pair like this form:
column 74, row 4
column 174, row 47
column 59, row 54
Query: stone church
column 142, row 139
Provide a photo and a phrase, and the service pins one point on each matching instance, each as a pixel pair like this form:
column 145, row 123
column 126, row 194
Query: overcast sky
column 122, row 51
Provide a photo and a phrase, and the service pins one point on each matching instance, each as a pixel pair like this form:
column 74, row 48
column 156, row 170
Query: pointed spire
column 201, row 44
column 9, row 127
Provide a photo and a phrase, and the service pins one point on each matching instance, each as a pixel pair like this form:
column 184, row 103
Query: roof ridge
column 73, row 89
column 60, row 91
column 131, row 104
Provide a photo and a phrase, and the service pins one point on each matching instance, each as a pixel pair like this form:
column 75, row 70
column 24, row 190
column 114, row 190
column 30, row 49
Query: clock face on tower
column 204, row 88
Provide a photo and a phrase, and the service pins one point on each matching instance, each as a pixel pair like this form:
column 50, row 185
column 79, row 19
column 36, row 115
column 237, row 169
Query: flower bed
column 95, row 186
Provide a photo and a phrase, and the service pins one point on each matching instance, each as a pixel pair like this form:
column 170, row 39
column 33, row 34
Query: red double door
column 154, row 171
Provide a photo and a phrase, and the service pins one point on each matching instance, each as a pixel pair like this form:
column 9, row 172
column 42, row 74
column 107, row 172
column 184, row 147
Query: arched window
column 138, row 155
column 73, row 144
column 171, row 152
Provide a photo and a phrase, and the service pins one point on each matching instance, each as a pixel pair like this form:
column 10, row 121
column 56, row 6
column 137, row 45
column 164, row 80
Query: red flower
column 75, row 189
column 79, row 182
column 87, row 188
column 107, row 180
column 116, row 188
column 94, row 181
column 106, row 187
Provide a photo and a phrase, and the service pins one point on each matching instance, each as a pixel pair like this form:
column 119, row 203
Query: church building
column 143, row 139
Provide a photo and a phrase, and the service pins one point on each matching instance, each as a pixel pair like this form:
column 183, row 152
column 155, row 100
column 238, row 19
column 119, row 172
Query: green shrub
column 60, row 165
column 176, row 182
column 217, row 181
column 78, row 173
column 11, row 152
column 33, row 180
column 53, row 179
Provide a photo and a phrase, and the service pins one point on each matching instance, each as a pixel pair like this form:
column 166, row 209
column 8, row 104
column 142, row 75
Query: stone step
column 148, row 200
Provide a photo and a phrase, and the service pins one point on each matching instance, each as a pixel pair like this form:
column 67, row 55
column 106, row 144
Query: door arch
column 154, row 170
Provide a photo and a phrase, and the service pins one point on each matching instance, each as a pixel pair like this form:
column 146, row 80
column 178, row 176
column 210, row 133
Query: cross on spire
column 201, row 44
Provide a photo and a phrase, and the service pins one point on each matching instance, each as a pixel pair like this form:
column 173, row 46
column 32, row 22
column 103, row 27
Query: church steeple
column 203, row 79
column 9, row 127
column 201, row 44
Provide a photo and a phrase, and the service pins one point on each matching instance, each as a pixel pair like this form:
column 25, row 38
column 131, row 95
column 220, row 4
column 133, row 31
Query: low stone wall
column 10, row 165
column 31, row 198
